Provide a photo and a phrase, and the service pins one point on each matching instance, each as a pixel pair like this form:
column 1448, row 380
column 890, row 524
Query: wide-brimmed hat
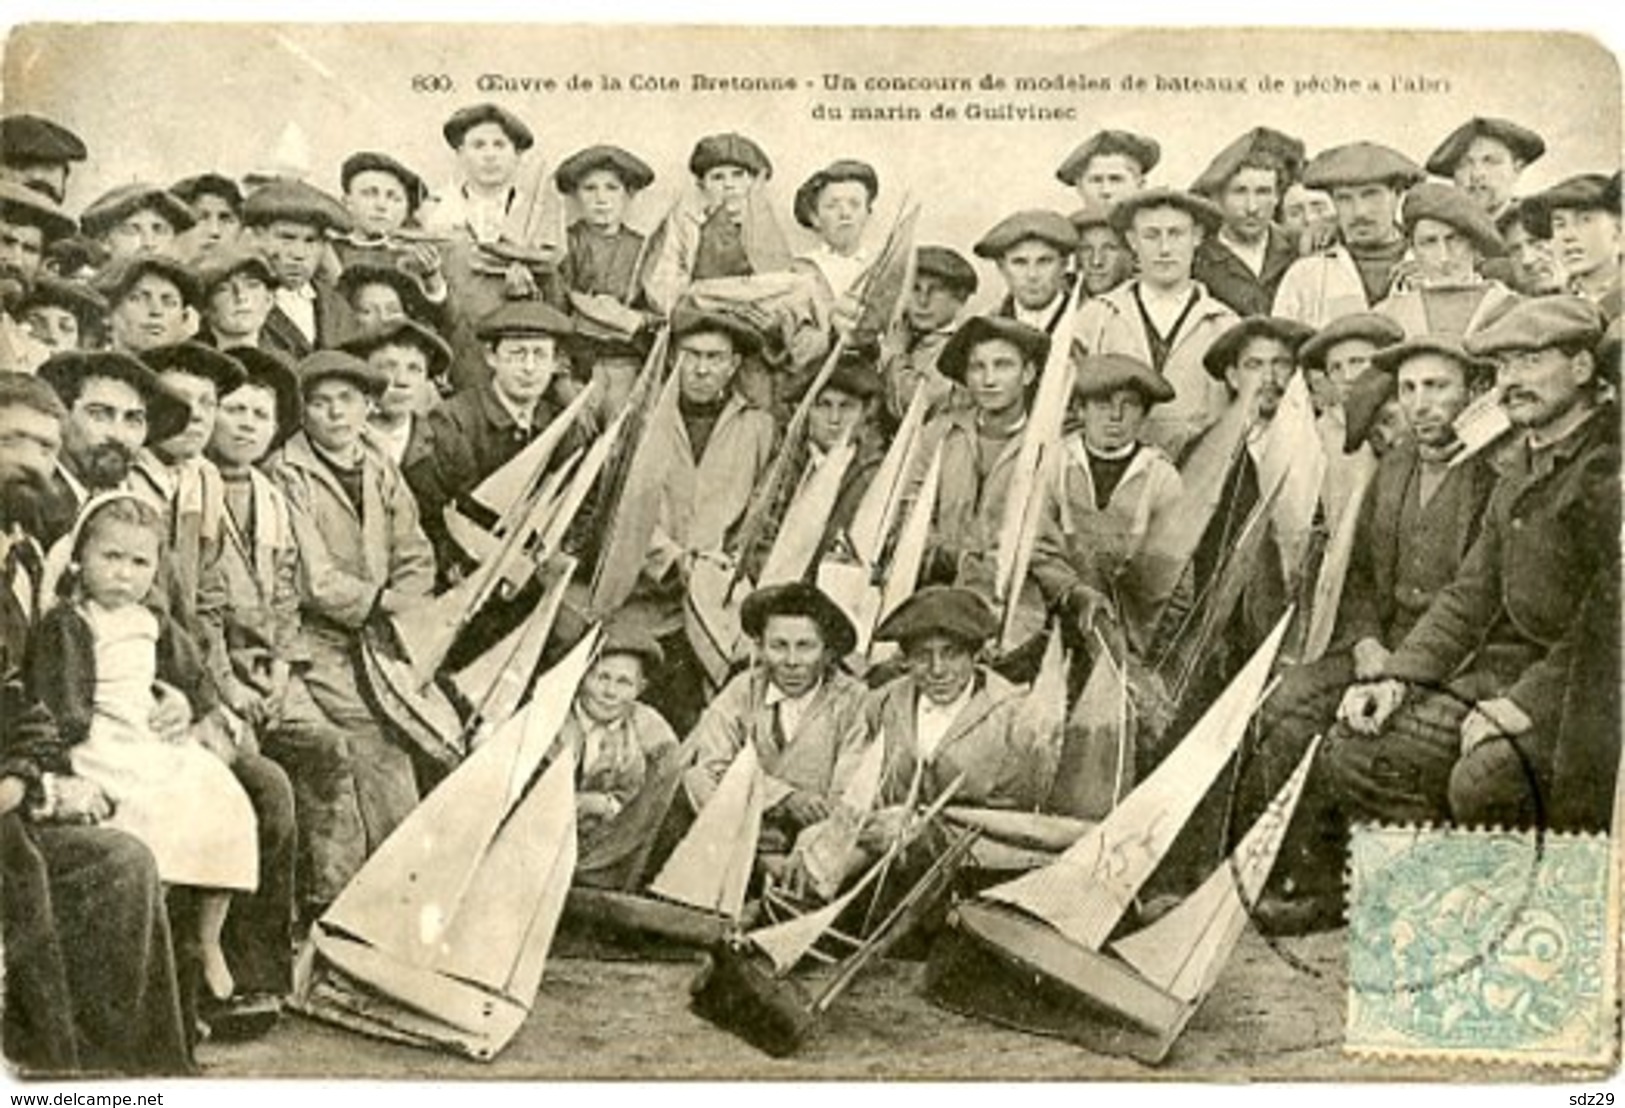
column 403, row 332
column 1377, row 329
column 979, row 329
column 1227, row 347
column 846, row 169
column 1103, row 374
column 466, row 119
column 798, row 598
column 167, row 414
column 1524, row 144
column 197, row 360
column 1142, row 150
column 947, row 610
column 271, row 370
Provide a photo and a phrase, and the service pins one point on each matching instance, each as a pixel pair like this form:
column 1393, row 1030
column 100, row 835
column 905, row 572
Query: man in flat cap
column 137, row 219
column 1242, row 265
column 943, row 281
column 38, row 153
column 1332, row 360
column 1462, row 718
column 1104, row 260
column 217, row 204
column 1450, row 239
column 1031, row 249
column 1419, row 518
column 1484, row 156
column 1108, row 166
column 235, row 286
column 29, row 223
column 152, row 301
column 290, row 221
column 1365, row 182
column 411, row 358
column 1532, row 268
column 1164, row 317
column 1582, row 218
column 796, row 704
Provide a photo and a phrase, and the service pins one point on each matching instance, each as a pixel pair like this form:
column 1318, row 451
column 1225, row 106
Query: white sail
column 506, row 488
column 1291, row 453
column 710, row 868
column 495, row 682
column 827, row 848
column 802, row 528
column 1184, row 951
column 907, row 556
column 1334, row 568
column 1085, row 891
column 877, row 510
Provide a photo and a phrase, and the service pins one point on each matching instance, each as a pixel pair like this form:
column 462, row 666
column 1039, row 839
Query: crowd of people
column 245, row 424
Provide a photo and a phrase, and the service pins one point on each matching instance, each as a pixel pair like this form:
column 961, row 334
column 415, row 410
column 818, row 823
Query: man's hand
column 171, row 713
column 1492, row 719
column 804, row 808
column 1366, row 707
column 597, row 805
column 1083, row 605
column 80, row 801
column 1370, row 659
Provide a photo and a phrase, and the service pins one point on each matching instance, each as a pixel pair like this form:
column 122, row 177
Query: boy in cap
column 64, row 315
column 1365, row 182
column 290, row 221
column 137, row 219
column 411, row 358
column 1484, row 156
column 29, row 224
column 1108, row 166
column 383, row 198
column 235, row 285
column 153, row 301
column 362, row 552
column 217, row 204
column 488, row 140
column 943, row 281
column 1332, row 361
column 1103, row 258
column 1582, row 218
column 1532, row 265
column 1450, row 238
column 1164, row 317
column 1031, row 249
column 36, row 152
column 1243, row 263
column 835, row 204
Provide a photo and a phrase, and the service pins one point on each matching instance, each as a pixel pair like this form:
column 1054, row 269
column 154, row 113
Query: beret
column 1366, row 396
column 1390, row 358
column 855, row 374
column 1227, row 347
column 626, row 636
column 729, row 149
column 1360, row 163
column 1588, row 191
column 167, row 414
column 1379, row 330
column 370, row 161
column 846, row 169
column 982, row 328
column 688, row 318
column 1259, row 142
column 1449, row 205
column 633, row 171
column 1207, row 214
column 21, row 204
column 402, row 332
column 222, row 265
column 466, row 119
column 947, row 610
column 1525, row 145
column 113, row 207
column 1033, row 223
column 1102, row 374
column 947, row 265
column 271, row 370
column 1142, row 150
column 209, row 184
column 295, row 202
column 198, row 360
column 376, row 272
column 32, row 138
column 117, row 279
column 798, row 598
column 1540, row 322
column 1092, row 215
column 523, row 317
column 76, row 297
column 328, row 364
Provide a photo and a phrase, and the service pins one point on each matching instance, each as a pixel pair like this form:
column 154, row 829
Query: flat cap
column 1143, row 151
column 1379, row 330
column 1207, row 214
column 729, row 148
column 633, row 171
column 371, row 161
column 28, row 139
column 75, row 297
column 340, row 365
column 376, row 272
column 523, row 317
column 116, row 280
column 798, row 598
column 1586, row 192
column 1032, row 342
column 466, row 119
column 1103, row 374
column 1367, row 394
column 947, row 610
column 1227, row 347
column 221, row 266
column 855, row 374
column 271, row 370
column 1449, row 205
column 209, row 184
column 167, row 414
column 1033, row 223
column 948, row 266
column 21, row 204
column 115, row 206
column 1259, row 143
column 628, row 636
column 689, row 318
column 846, row 169
column 1390, row 358
column 197, row 360
column 1092, row 215
column 1525, row 144
column 1538, row 323
column 403, row 332
column 1360, row 163
column 295, row 202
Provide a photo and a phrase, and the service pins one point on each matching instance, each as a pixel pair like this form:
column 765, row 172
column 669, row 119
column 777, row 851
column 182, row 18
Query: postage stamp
column 1480, row 945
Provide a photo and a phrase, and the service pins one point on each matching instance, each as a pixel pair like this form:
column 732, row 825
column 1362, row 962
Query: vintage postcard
column 649, row 552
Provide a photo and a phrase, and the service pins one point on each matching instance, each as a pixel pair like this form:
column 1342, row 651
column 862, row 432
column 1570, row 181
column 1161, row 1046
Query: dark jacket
column 334, row 324
column 1230, row 281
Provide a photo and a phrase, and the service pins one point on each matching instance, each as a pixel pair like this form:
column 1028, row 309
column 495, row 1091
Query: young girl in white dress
column 95, row 660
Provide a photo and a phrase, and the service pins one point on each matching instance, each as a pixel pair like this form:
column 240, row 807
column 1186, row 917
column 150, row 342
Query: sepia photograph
column 728, row 552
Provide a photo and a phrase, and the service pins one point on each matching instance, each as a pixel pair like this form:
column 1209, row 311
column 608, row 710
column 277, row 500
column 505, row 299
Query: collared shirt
column 1038, row 317
column 791, row 710
column 522, row 417
column 932, row 721
column 840, row 270
column 1250, row 255
column 393, row 440
column 596, row 737
column 299, row 305
column 486, row 214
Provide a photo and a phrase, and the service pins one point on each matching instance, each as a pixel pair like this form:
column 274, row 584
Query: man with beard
column 1103, row 258
column 1533, row 268
column 1365, row 181
column 153, row 301
column 137, row 219
column 89, row 968
column 1581, row 216
column 1484, row 156
column 1450, row 239
column 1242, row 265
column 290, row 221
column 943, row 281
column 234, row 287
column 38, row 153
column 29, row 224
column 1108, row 166
column 1031, row 249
